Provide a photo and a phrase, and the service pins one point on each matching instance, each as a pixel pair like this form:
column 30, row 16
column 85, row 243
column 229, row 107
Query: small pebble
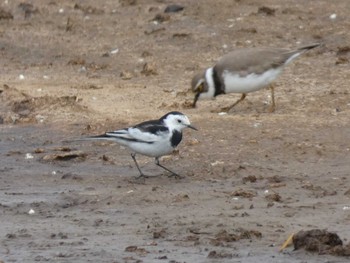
column 333, row 16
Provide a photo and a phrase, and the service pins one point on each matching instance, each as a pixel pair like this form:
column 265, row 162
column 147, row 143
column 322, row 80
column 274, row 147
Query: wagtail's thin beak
column 192, row 127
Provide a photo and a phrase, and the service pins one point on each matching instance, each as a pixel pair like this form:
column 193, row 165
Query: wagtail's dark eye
column 179, row 121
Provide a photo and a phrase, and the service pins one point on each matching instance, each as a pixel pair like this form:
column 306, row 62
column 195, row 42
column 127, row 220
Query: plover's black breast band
column 219, row 86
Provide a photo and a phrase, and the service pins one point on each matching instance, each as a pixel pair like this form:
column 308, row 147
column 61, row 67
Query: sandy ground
column 71, row 68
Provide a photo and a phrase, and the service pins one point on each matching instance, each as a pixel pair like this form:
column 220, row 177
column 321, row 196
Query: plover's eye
column 200, row 88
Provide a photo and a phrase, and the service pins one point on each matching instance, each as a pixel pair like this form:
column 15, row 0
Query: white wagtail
column 244, row 71
column 153, row 138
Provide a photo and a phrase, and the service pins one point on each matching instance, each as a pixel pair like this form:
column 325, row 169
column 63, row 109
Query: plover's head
column 177, row 121
column 199, row 86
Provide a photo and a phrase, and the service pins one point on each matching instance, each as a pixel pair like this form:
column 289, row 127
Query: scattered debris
column 160, row 18
column 136, row 249
column 319, row 191
column 65, row 156
column 146, row 54
column 321, row 241
column 192, row 142
column 244, row 193
column 125, row 75
column 274, row 197
column 69, row 25
column 181, row 35
column 342, row 60
column 159, row 234
column 216, row 163
column 250, row 30
column 347, row 193
column 173, row 8
column 181, row 197
column 343, row 55
column 264, row 10
column 6, row 15
column 127, row 2
column 154, row 30
column 76, row 61
column 28, row 9
column 249, row 178
column 88, row 9
column 188, row 104
column 275, row 179
column 71, row 176
column 218, row 255
column 225, row 237
column 149, row 69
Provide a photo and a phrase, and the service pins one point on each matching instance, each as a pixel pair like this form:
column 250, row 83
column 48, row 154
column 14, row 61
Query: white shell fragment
column 115, row 51
column 333, row 16
column 29, row 156
column 31, row 212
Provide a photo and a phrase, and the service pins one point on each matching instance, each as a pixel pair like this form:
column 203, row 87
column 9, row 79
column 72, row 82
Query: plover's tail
column 308, row 47
column 297, row 52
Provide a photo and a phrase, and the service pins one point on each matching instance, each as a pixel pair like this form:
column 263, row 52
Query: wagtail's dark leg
column 172, row 173
column 142, row 175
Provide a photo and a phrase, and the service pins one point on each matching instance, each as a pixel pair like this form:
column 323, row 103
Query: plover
column 153, row 138
column 243, row 71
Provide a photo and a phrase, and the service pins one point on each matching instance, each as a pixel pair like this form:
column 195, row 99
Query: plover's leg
column 273, row 105
column 172, row 173
column 227, row 109
column 142, row 175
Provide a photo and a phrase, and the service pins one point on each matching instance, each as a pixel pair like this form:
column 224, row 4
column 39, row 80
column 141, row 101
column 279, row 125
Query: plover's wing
column 252, row 60
column 258, row 60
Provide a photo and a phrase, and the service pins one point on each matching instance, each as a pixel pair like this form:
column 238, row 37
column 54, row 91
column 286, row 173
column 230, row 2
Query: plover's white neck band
column 211, row 85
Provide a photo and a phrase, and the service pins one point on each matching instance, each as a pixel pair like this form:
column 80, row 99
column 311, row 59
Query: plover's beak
column 192, row 127
column 196, row 97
